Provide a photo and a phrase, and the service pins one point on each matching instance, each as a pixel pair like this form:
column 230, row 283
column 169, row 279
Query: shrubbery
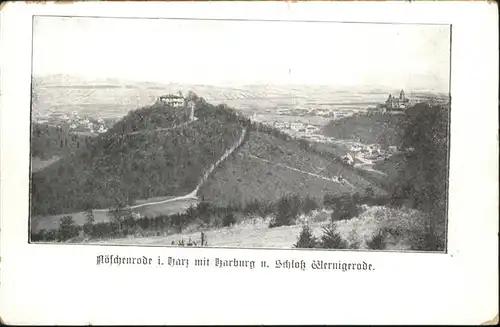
column 287, row 210
column 229, row 219
column 68, row 229
column 309, row 205
column 122, row 222
column 330, row 239
column 427, row 242
column 306, row 239
column 377, row 241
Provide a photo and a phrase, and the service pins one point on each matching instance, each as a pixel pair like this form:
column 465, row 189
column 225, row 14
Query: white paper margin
column 60, row 284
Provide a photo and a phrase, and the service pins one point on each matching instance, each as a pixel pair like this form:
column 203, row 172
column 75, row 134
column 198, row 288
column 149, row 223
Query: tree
column 67, row 228
column 426, row 133
column 89, row 213
column 287, row 209
column 229, row 219
column 309, row 205
column 119, row 214
column 344, row 209
column 369, row 193
column 306, row 239
column 89, row 224
column 331, row 239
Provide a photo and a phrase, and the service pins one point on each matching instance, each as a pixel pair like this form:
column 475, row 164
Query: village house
column 348, row 159
column 297, row 127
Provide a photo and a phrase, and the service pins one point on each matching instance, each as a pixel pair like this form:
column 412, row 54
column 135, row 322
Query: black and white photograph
column 249, row 163
column 228, row 133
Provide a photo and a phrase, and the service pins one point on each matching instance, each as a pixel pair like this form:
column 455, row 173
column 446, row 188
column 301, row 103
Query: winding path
column 302, row 171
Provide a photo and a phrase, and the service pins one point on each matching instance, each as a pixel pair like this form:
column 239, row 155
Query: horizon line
column 229, row 84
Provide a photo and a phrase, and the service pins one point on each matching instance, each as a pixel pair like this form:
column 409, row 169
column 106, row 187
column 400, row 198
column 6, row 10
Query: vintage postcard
column 342, row 145
column 329, row 140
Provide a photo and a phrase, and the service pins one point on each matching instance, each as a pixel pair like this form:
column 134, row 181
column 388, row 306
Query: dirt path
column 303, row 171
column 368, row 167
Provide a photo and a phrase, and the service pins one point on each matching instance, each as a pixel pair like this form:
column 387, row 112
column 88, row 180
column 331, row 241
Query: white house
column 173, row 100
column 296, row 126
column 348, row 159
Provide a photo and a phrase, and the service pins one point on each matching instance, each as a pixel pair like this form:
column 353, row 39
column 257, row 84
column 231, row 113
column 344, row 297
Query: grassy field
column 249, row 233
column 255, row 232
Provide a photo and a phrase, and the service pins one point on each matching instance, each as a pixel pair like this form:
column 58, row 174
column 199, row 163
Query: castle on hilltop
column 173, row 100
column 397, row 103
column 178, row 101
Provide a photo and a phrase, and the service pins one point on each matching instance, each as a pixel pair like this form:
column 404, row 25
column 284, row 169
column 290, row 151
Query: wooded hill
column 368, row 128
column 48, row 141
column 118, row 167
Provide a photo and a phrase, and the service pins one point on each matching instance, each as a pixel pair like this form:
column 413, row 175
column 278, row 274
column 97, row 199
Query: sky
column 244, row 52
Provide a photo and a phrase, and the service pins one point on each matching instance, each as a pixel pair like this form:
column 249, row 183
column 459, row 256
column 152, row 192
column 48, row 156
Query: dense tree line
column 48, row 141
column 425, row 178
column 158, row 115
column 122, row 222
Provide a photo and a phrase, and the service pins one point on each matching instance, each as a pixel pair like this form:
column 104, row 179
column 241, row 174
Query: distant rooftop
column 171, row 96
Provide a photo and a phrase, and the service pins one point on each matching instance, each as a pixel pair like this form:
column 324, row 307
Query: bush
column 88, row 228
column 68, row 229
column 306, row 239
column 426, row 242
column 228, row 219
column 345, row 210
column 287, row 209
column 369, row 193
column 107, row 229
column 309, row 205
column 377, row 241
column 38, row 236
column 331, row 239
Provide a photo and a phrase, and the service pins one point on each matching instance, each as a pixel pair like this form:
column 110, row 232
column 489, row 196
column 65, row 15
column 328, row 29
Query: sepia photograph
column 227, row 133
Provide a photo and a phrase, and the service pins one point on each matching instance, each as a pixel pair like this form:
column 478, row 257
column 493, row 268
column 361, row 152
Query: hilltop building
column 179, row 101
column 397, row 104
column 173, row 100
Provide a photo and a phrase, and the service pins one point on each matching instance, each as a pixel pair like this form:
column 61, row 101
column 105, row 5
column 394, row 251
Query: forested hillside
column 48, row 141
column 385, row 129
column 120, row 167
column 151, row 117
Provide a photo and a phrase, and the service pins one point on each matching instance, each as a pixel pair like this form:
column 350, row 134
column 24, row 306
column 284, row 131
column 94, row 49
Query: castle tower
column 402, row 95
column 191, row 117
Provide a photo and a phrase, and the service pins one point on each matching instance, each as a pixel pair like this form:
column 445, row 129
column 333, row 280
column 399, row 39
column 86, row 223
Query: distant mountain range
column 72, row 81
column 113, row 97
